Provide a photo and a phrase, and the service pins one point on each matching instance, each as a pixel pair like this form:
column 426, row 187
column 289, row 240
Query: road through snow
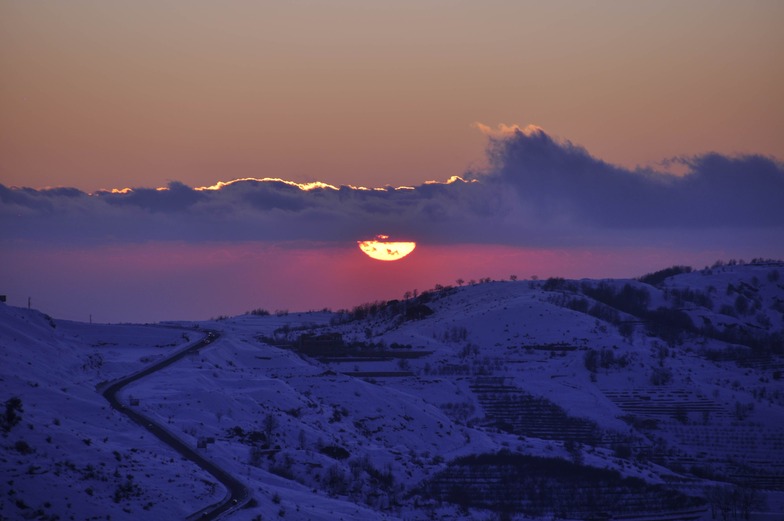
column 238, row 494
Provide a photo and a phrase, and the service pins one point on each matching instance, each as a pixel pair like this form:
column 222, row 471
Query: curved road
column 238, row 493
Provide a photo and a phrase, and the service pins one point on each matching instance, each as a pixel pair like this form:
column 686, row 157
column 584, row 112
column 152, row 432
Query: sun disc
column 381, row 249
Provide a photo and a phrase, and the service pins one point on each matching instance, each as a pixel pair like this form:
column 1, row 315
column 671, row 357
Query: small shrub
column 22, row 447
column 335, row 452
column 126, row 490
column 661, row 376
column 12, row 414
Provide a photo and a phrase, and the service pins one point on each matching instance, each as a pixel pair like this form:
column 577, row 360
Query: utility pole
column 28, row 302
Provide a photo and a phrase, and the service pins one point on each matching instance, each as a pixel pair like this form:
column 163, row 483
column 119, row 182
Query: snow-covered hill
column 70, row 456
column 660, row 397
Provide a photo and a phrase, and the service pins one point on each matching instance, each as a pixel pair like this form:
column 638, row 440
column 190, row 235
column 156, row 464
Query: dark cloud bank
column 538, row 191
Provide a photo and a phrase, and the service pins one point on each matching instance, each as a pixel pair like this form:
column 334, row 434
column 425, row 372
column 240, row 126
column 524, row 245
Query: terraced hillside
column 658, row 398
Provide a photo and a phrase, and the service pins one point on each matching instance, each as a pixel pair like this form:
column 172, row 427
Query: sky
column 163, row 160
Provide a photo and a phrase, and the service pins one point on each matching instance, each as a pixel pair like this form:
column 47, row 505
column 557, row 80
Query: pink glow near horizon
column 164, row 281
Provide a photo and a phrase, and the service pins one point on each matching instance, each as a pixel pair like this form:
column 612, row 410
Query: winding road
column 238, row 493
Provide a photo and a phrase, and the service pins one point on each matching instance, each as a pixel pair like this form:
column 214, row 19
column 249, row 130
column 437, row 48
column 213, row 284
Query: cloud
column 560, row 180
column 537, row 191
column 504, row 131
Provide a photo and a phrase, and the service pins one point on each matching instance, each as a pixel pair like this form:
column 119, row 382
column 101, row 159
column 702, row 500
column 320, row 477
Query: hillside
column 658, row 398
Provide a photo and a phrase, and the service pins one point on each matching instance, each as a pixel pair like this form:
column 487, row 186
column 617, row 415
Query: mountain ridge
column 367, row 413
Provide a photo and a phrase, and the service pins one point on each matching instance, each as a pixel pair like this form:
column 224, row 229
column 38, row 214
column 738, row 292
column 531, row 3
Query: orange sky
column 109, row 94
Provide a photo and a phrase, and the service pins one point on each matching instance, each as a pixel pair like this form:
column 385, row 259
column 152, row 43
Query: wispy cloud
column 537, row 190
column 504, row 131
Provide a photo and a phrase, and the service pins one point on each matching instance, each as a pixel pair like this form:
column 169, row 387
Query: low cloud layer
column 561, row 180
column 537, row 191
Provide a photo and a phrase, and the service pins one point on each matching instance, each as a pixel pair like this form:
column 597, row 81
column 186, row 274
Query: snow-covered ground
column 356, row 420
column 71, row 454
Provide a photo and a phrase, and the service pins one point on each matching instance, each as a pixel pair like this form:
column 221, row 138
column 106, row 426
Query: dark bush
column 699, row 298
column 629, row 299
column 661, row 376
column 22, row 447
column 335, row 452
column 12, row 414
column 657, row 277
column 668, row 324
column 418, row 311
column 553, row 284
column 506, row 482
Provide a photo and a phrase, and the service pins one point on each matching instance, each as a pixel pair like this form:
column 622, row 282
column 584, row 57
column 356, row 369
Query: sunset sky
column 587, row 139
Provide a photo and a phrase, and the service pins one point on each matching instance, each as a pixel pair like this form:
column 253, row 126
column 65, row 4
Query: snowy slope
column 363, row 414
column 71, row 455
